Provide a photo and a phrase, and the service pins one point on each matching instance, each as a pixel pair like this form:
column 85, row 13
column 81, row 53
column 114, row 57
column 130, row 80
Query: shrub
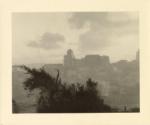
column 56, row 96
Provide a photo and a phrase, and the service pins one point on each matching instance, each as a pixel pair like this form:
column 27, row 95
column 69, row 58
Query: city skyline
column 45, row 37
column 75, row 62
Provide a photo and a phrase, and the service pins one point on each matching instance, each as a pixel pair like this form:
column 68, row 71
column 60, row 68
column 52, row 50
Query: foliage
column 14, row 106
column 56, row 96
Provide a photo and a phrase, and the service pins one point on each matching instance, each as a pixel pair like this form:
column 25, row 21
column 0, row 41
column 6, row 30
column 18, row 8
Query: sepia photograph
column 75, row 62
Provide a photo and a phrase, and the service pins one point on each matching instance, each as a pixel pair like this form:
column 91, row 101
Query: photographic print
column 75, row 62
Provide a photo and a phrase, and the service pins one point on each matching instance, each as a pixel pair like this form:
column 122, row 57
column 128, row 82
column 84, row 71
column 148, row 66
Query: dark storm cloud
column 48, row 41
column 102, row 26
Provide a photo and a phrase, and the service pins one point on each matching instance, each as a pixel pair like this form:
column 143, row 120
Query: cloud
column 92, row 40
column 78, row 20
column 102, row 27
column 103, row 19
column 48, row 41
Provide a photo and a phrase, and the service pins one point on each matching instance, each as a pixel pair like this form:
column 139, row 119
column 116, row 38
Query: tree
column 56, row 96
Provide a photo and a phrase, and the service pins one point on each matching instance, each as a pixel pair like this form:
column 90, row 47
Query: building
column 118, row 83
column 115, row 80
column 79, row 70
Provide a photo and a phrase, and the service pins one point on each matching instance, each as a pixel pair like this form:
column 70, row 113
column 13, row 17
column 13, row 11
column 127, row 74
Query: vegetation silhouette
column 58, row 97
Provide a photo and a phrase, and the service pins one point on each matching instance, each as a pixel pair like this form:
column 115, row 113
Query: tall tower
column 69, row 59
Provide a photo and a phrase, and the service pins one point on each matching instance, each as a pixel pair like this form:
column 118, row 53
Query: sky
column 45, row 37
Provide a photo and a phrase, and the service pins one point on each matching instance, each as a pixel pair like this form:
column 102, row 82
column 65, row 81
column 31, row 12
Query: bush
column 58, row 97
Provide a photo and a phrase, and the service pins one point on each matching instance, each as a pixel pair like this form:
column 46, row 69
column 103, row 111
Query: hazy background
column 45, row 37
